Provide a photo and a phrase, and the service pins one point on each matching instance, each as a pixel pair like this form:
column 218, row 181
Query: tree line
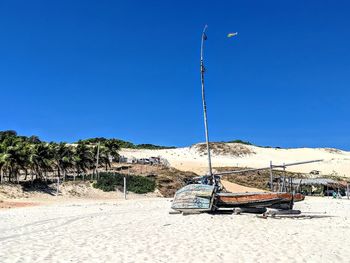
column 130, row 145
column 29, row 158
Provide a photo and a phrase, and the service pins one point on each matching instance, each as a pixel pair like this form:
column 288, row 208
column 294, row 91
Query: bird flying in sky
column 232, row 34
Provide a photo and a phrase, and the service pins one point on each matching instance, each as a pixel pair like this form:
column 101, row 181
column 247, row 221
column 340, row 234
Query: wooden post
column 347, row 190
column 299, row 187
column 322, row 193
column 271, row 177
column 58, row 186
column 279, row 184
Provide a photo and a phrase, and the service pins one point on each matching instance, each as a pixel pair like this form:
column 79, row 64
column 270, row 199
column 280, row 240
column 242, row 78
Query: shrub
column 241, row 142
column 153, row 147
column 124, row 144
column 134, row 183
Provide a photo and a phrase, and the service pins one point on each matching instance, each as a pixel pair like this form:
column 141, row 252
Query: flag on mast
column 205, row 36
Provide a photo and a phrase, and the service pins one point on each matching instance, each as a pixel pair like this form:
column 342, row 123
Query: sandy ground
column 16, row 204
column 189, row 159
column 236, row 188
column 143, row 231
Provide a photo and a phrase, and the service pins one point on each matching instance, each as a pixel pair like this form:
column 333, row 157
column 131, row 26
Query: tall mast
column 204, row 37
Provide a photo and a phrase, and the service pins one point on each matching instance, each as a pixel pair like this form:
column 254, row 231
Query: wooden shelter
column 312, row 186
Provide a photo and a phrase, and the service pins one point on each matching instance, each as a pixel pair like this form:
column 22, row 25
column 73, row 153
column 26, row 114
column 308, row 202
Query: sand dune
column 335, row 162
column 143, row 231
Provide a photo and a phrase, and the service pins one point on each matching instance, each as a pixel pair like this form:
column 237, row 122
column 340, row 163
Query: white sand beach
column 143, row 231
column 336, row 162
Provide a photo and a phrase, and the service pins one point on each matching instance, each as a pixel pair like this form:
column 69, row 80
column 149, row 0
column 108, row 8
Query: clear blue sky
column 130, row 70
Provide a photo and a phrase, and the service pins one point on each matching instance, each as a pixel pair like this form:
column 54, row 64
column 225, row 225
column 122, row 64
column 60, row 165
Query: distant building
column 315, row 172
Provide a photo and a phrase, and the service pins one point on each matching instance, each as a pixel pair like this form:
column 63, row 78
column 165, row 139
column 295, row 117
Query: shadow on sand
column 39, row 187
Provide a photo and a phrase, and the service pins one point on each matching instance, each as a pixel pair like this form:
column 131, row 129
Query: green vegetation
column 240, row 141
column 125, row 144
column 152, row 147
column 36, row 164
column 249, row 143
column 119, row 143
column 32, row 158
column 137, row 184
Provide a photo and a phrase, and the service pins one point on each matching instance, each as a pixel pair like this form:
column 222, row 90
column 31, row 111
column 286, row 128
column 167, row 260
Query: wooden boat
column 194, row 197
column 258, row 200
column 203, row 198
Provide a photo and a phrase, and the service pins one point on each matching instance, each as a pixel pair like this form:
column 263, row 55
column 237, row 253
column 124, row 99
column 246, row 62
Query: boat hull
column 258, row 200
column 203, row 198
column 194, row 197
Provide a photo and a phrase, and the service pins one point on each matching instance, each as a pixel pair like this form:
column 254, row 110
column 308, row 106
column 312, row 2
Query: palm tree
column 113, row 147
column 103, row 156
column 3, row 162
column 29, row 155
column 25, row 158
column 63, row 158
column 12, row 157
column 83, row 158
column 41, row 159
column 67, row 161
